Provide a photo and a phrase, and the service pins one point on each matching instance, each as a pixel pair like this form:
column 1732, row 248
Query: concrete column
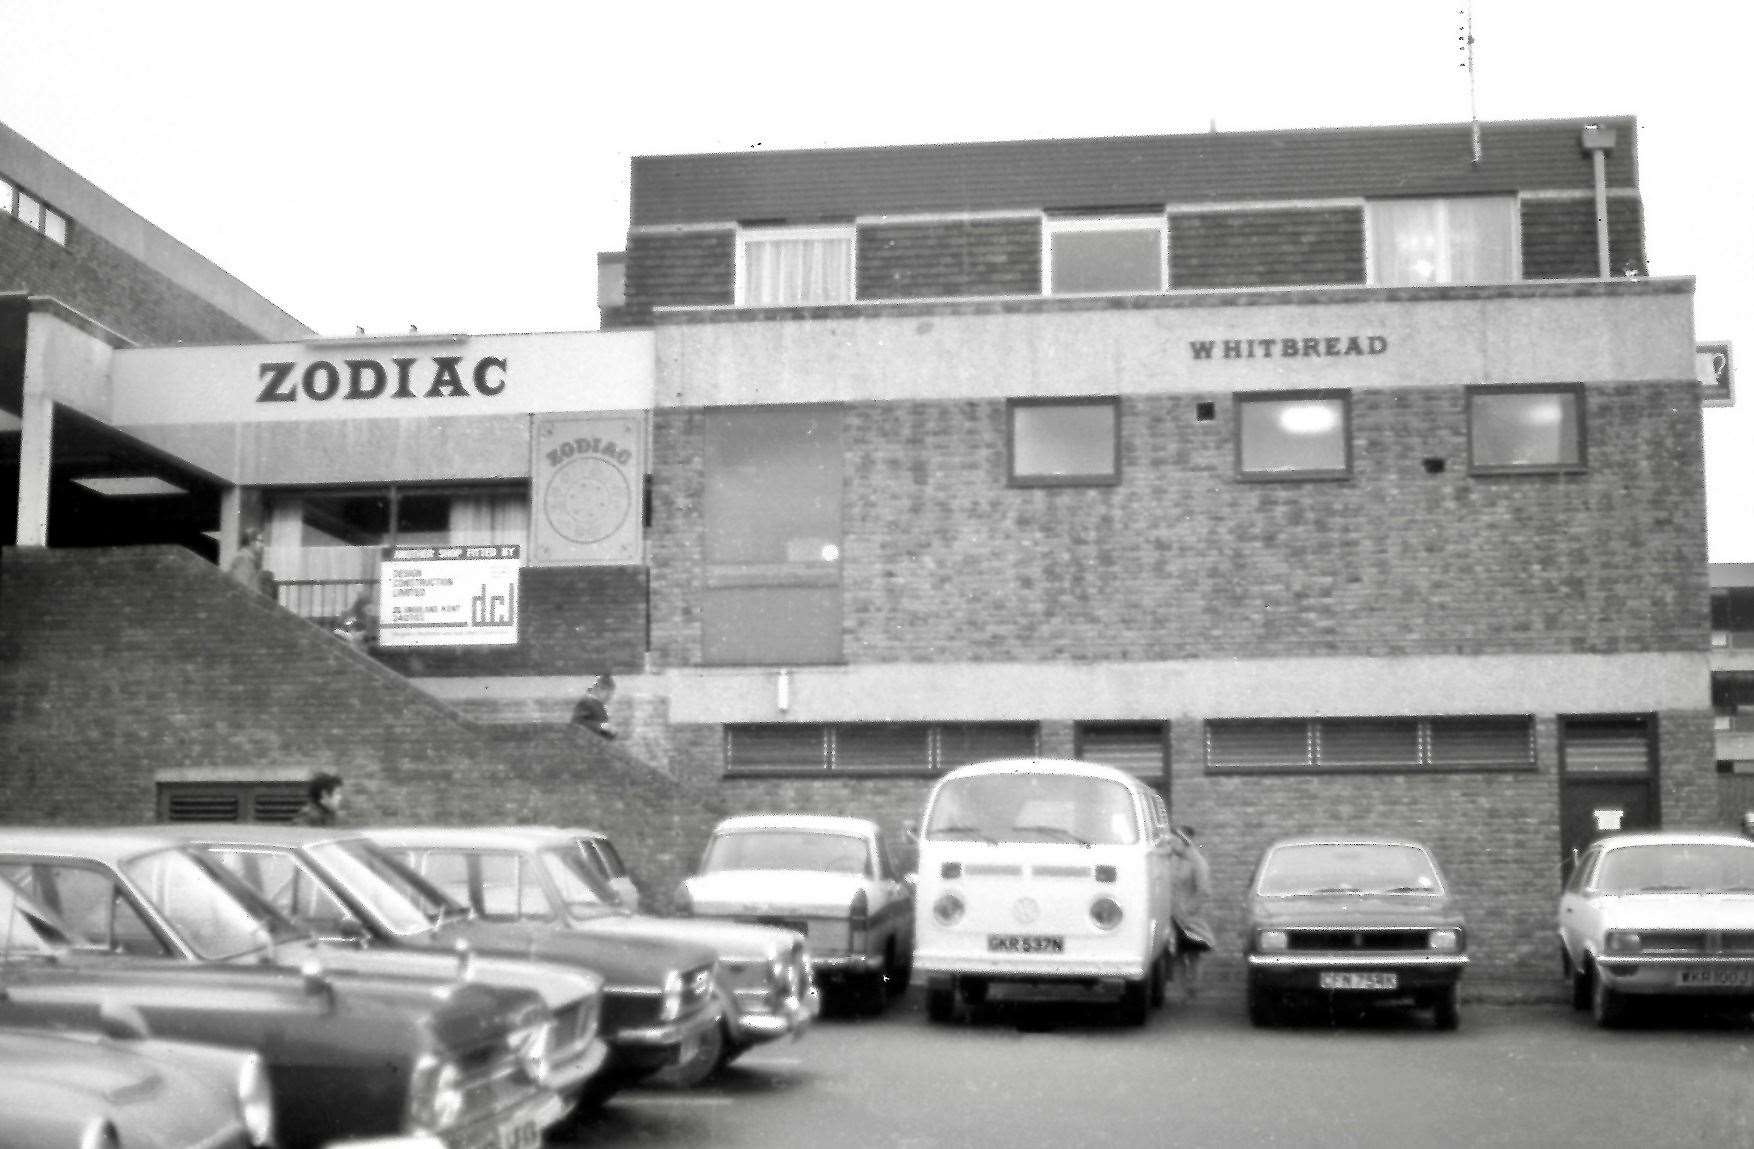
column 35, row 459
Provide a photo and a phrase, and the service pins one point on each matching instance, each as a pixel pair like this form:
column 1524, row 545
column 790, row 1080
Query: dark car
column 532, row 878
column 347, row 1054
column 1348, row 919
column 124, row 1088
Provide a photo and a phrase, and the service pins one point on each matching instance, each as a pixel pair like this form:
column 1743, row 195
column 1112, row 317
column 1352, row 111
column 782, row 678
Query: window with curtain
column 1457, row 239
column 1525, row 428
column 794, row 265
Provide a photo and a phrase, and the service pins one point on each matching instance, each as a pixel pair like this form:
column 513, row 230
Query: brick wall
column 1559, row 237
column 942, row 562
column 1266, row 248
column 575, row 620
column 669, row 269
column 95, row 277
column 952, row 258
column 118, row 664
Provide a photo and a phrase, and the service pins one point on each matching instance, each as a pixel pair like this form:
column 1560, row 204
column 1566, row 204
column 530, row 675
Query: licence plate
column 522, row 1133
column 1346, row 979
column 1026, row 943
column 1736, row 978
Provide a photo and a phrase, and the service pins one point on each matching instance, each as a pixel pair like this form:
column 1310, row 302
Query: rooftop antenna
column 1465, row 45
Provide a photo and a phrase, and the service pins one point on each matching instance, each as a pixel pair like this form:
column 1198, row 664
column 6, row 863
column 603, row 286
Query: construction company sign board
column 449, row 596
column 587, row 490
column 414, row 377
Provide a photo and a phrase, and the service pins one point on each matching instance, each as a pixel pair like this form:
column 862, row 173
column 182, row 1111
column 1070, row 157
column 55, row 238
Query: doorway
column 1607, row 779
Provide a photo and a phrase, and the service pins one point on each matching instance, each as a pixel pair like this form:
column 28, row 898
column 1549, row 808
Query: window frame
column 1576, row 390
column 1092, row 479
column 1424, row 766
column 1328, row 474
column 1053, row 225
column 937, row 736
column 1372, row 254
column 747, row 233
column 1083, row 729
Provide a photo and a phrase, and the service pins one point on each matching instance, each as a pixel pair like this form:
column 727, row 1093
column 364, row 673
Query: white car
column 828, row 878
column 1659, row 914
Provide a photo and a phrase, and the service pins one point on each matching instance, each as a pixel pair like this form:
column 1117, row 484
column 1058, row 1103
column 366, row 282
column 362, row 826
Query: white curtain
column 478, row 520
column 781, row 271
column 1466, row 239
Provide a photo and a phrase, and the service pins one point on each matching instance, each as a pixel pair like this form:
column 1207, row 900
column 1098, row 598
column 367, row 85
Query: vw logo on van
column 1026, row 910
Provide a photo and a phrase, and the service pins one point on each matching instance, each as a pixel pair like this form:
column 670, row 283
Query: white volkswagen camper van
column 1046, row 874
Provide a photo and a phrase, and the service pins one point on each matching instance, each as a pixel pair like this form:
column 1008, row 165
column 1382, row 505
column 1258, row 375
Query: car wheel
column 940, row 1004
column 1580, row 989
column 1159, row 980
column 1135, row 1006
column 702, row 1065
column 1446, row 1009
column 1606, row 1006
column 1261, row 1006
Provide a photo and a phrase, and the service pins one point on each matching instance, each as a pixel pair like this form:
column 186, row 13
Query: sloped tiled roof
column 1031, row 175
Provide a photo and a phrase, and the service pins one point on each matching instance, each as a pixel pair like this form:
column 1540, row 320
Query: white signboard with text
column 449, row 596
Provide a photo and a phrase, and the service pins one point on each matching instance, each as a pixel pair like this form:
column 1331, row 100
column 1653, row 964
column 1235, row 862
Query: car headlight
column 1272, row 941
column 436, row 1102
column 948, row 909
column 533, row 1052
column 256, row 1102
column 1624, row 942
column 671, row 1007
column 1445, row 941
column 1106, row 913
column 99, row 1134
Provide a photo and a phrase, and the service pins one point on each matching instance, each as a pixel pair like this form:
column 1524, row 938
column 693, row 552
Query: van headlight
column 948, row 909
column 1272, row 941
column 1624, row 942
column 671, row 1007
column 1106, row 913
column 256, row 1102
column 436, row 1102
column 1445, row 941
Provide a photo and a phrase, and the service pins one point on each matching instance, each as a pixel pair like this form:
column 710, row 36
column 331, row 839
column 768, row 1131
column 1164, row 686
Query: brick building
column 1335, row 480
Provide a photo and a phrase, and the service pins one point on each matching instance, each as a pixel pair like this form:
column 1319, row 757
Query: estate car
column 829, row 879
column 1659, row 914
column 1353, row 919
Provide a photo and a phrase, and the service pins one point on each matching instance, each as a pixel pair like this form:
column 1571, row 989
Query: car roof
column 811, row 823
column 1347, row 840
column 264, row 833
column 1043, row 766
column 104, row 843
column 1673, row 838
column 479, row 837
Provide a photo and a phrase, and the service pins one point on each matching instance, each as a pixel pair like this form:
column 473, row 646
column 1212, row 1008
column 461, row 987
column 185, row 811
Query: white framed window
column 55, row 226
column 1105, row 255
column 1454, row 239
column 30, row 209
column 779, row 266
column 6, row 197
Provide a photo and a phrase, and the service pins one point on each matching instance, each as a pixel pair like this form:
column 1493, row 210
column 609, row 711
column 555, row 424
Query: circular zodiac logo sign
column 587, row 500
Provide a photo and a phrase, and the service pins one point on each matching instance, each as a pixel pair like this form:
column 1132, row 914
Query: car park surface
column 1353, row 918
column 829, row 879
column 124, row 1088
column 346, row 1055
column 1665, row 914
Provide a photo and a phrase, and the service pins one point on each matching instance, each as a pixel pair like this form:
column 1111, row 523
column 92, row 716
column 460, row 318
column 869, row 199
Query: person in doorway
column 592, row 711
column 247, row 566
column 323, row 801
column 1190, row 888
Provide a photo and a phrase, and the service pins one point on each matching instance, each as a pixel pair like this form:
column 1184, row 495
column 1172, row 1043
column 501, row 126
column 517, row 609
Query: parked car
column 126, row 1089
column 1659, row 914
column 1043, row 873
column 1349, row 918
column 604, row 860
column 534, row 878
column 332, row 884
column 828, row 879
column 95, row 918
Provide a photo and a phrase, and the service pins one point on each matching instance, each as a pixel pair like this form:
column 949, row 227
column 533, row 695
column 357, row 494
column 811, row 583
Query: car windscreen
column 1029, row 807
column 365, row 875
column 215, row 914
column 580, row 890
column 26, row 928
column 1348, row 868
column 1696, row 867
column 787, row 850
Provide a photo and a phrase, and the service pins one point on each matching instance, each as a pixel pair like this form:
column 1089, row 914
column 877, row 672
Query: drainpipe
column 1598, row 142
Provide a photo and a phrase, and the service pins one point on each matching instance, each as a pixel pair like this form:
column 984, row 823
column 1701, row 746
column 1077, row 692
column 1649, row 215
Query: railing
column 324, row 601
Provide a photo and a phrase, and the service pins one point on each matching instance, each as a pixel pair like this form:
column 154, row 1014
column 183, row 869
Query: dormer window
column 781, row 266
column 1105, row 255
column 1458, row 239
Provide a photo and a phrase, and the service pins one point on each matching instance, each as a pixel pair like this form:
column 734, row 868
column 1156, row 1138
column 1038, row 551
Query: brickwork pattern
column 1559, row 238
column 575, row 620
column 953, row 258
column 97, row 278
column 942, row 562
column 671, row 269
column 1266, row 248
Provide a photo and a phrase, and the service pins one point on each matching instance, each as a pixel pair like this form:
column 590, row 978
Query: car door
column 1577, row 909
column 897, row 900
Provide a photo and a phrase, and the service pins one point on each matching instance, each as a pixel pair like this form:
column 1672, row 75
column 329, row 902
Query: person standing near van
column 1190, row 884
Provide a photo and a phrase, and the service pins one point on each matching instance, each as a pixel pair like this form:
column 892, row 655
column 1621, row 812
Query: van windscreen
column 1033, row 807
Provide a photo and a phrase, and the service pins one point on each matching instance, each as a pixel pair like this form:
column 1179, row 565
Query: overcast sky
column 459, row 166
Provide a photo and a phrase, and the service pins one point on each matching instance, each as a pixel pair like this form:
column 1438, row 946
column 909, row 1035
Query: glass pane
column 784, row 270
column 30, row 209
column 1387, row 744
column 1292, row 435
column 6, row 198
column 1264, row 743
column 1349, row 867
column 883, row 746
column 787, row 850
column 1107, row 260
column 1033, row 807
column 1073, row 440
column 1467, row 239
column 1525, row 429
column 55, row 226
